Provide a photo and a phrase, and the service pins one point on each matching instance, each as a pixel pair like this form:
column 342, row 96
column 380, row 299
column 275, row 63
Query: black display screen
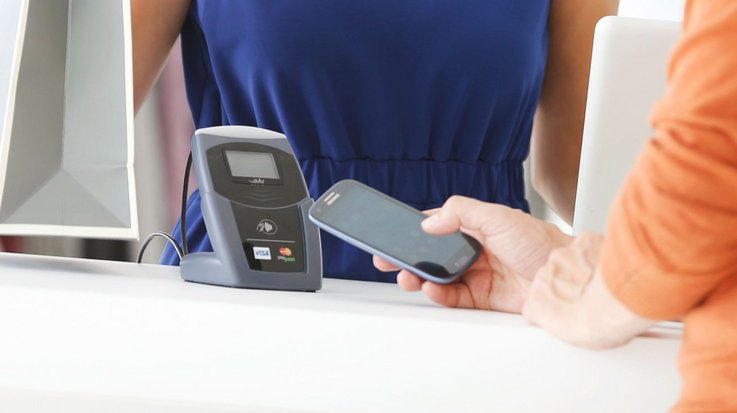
column 252, row 164
column 393, row 228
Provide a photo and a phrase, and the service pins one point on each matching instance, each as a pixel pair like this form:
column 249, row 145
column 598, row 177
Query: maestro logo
column 285, row 255
column 267, row 226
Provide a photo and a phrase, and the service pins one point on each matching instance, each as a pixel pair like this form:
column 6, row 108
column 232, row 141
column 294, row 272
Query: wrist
column 569, row 298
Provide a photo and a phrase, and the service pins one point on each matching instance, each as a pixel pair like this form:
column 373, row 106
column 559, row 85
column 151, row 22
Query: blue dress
column 421, row 99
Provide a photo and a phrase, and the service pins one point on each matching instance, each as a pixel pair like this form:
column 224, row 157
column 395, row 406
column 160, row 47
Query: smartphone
column 383, row 226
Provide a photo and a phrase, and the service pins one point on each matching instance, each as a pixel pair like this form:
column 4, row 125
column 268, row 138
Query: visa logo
column 262, row 253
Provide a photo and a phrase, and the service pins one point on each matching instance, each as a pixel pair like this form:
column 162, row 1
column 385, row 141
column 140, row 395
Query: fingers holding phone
column 515, row 246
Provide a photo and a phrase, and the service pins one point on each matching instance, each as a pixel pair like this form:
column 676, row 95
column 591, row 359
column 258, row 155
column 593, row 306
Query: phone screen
column 394, row 229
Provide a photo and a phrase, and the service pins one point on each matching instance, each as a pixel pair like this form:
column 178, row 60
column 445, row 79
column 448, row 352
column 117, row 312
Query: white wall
column 652, row 9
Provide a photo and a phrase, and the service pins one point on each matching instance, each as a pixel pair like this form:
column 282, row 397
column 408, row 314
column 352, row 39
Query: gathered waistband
column 424, row 184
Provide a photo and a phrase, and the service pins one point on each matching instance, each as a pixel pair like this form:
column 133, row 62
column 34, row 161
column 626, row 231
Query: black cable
column 185, row 190
column 159, row 234
column 181, row 251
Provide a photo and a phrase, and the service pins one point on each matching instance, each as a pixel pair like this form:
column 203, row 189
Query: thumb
column 462, row 212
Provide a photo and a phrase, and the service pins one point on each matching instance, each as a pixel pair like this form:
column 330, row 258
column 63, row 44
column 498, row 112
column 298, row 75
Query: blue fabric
column 421, row 99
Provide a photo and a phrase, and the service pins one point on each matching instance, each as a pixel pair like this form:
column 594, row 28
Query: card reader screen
column 252, row 164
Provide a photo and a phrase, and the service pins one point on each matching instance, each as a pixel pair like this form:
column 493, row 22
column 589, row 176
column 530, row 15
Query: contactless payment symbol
column 267, row 226
column 261, row 253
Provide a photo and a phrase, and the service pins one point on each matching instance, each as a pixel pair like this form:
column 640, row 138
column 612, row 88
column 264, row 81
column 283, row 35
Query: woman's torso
column 419, row 99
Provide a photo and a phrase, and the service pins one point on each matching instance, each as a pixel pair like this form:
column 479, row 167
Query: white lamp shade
column 66, row 119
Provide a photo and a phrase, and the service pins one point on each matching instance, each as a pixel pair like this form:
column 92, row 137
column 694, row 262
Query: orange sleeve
column 672, row 233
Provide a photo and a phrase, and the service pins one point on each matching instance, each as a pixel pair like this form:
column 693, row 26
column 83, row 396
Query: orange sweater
column 671, row 246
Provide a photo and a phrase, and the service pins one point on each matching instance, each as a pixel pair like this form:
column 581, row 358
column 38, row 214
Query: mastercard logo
column 284, row 251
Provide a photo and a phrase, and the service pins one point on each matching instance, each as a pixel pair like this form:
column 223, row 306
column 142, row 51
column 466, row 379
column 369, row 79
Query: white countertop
column 87, row 336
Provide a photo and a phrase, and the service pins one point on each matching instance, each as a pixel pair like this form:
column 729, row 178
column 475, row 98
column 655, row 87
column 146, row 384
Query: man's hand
column 515, row 246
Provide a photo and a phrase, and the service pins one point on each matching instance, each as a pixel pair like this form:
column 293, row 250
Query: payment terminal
column 254, row 202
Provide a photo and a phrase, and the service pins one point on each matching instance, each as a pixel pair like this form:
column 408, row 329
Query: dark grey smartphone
column 383, row 226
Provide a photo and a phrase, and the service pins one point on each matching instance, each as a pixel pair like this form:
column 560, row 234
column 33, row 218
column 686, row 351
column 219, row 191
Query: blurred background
column 162, row 130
